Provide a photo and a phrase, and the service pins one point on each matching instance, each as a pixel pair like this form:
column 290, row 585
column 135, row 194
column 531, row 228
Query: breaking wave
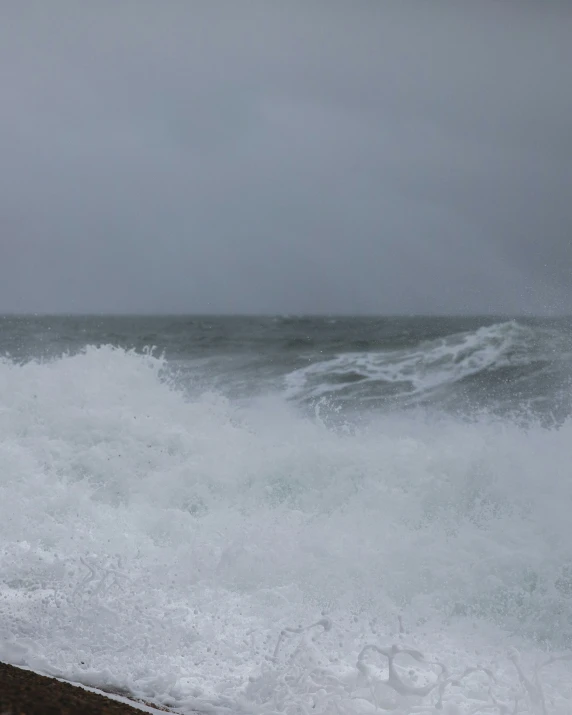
column 418, row 370
column 198, row 553
column 480, row 361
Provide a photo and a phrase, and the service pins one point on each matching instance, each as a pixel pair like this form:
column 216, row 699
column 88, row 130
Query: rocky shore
column 23, row 692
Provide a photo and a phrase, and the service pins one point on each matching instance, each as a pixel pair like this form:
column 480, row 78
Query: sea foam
column 247, row 558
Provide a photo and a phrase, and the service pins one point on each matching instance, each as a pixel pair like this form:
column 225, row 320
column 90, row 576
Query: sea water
column 290, row 515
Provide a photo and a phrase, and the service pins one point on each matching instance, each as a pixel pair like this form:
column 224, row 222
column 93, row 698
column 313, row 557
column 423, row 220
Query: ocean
column 290, row 514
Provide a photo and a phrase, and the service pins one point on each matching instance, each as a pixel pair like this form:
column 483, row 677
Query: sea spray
column 179, row 545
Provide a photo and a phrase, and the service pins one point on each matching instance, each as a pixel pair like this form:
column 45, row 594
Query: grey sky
column 210, row 156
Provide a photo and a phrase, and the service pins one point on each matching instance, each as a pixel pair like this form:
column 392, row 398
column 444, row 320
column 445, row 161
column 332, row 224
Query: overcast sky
column 286, row 157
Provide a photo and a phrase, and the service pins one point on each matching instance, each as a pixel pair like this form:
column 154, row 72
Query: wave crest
column 415, row 371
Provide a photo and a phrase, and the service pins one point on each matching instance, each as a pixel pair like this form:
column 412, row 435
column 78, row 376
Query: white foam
column 182, row 550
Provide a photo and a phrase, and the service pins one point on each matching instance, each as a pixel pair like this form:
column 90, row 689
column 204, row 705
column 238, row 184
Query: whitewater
column 260, row 549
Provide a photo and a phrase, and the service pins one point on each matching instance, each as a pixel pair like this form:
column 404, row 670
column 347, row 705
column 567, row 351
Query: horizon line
column 180, row 314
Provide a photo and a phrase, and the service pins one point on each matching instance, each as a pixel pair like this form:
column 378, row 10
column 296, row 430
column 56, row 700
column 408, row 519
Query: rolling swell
column 507, row 363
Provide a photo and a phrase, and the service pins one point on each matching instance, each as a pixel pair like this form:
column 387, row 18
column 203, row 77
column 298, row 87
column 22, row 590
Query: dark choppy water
column 519, row 366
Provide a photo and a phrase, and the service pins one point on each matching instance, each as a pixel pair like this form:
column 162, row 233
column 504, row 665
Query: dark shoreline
column 23, row 692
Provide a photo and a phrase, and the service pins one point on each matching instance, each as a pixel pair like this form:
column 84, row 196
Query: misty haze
column 286, row 158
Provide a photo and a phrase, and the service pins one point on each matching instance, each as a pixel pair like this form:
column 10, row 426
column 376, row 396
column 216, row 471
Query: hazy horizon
column 183, row 314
